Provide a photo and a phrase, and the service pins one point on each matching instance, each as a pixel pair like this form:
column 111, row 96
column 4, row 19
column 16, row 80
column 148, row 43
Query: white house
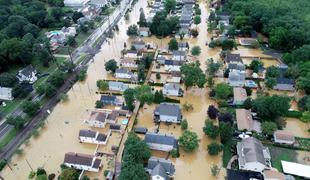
column 179, row 55
column 27, row 74
column 161, row 142
column 82, row 161
column 183, row 46
column 99, row 3
column 252, row 155
column 284, row 137
column 131, row 54
column 123, row 73
column 75, row 3
column 117, row 86
column 160, row 168
column 6, row 93
column 93, row 137
column 128, row 63
column 172, row 89
column 97, row 119
column 144, row 31
column 172, row 65
column 138, row 44
column 168, row 112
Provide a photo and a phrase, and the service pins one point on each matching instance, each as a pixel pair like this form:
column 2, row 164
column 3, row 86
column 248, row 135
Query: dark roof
column 233, row 58
column 101, row 137
column 161, row 139
column 285, row 81
column 243, row 175
column 87, row 133
column 182, row 44
column 122, row 70
column 97, row 163
column 27, row 71
column 132, row 51
column 240, row 67
column 168, row 109
column 141, row 130
column 107, row 98
column 78, row 158
column 115, row 126
column 179, row 53
column 160, row 165
column 98, row 116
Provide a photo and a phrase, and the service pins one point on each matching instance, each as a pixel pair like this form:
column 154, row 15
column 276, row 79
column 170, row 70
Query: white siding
column 164, row 118
column 160, row 147
column 82, row 167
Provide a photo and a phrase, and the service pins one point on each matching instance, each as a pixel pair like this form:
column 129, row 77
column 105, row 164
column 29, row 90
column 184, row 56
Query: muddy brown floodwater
column 60, row 134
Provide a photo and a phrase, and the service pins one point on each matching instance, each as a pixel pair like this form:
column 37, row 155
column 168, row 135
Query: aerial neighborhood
column 156, row 89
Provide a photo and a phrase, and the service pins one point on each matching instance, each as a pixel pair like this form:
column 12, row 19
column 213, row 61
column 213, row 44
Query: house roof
column 27, row 71
column 140, row 130
column 175, row 63
column 179, row 53
column 250, row 150
column 127, row 61
column 132, row 52
column 182, row 44
column 284, row 135
column 118, row 84
column 123, row 71
column 233, row 58
column 273, row 174
column 244, row 119
column 109, row 98
column 144, row 29
column 283, row 80
column 240, row 94
column 237, row 66
column 168, row 109
column 101, row 137
column 161, row 139
column 160, row 166
column 296, row 169
column 115, row 126
column 243, row 175
column 87, row 133
column 78, row 158
column 138, row 42
column 172, row 86
column 98, row 116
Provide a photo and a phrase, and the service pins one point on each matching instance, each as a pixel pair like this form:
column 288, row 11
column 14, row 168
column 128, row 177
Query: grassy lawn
column 278, row 154
column 81, row 37
column 227, row 153
column 8, row 137
column 10, row 106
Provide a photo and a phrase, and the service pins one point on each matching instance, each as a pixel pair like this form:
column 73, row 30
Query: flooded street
column 60, row 134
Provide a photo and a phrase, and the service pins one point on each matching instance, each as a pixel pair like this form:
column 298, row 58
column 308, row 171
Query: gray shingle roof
column 172, row 86
column 161, row 139
column 27, row 71
column 107, row 98
column 160, row 166
column 179, row 53
column 101, row 137
column 233, row 58
column 168, row 109
column 87, row 133
column 250, row 150
column 78, row 158
column 159, row 170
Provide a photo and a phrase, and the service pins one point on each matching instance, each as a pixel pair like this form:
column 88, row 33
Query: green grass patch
column 81, row 37
column 278, row 154
column 227, row 151
column 8, row 137
column 10, row 106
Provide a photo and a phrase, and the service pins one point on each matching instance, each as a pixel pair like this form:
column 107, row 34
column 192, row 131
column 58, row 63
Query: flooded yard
column 299, row 128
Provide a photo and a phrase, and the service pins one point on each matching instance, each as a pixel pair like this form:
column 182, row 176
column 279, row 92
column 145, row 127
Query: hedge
column 294, row 114
column 172, row 100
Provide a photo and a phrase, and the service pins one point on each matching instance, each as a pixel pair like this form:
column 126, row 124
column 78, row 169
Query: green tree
column 69, row 174
column 71, row 41
column 56, row 12
column 193, row 75
column 271, row 106
column 142, row 21
column 187, row 107
column 144, row 94
column 269, row 127
column 158, row 75
column 272, row 72
column 131, row 170
column 196, row 50
column 111, row 65
column 7, row 80
column 102, row 85
column 189, row 141
column 305, row 117
column 129, row 96
column 30, row 108
column 303, row 83
column 42, row 177
column 212, row 66
column 256, row 65
column 225, row 130
column 214, row 148
column 197, row 20
column 141, row 74
column 170, row 5
column 56, row 78
column 173, row 44
column 133, row 30
column 223, row 91
column 137, row 148
column 194, row 33
column 228, row 44
column 210, row 130
column 247, row 104
column 184, row 124
column 18, row 122
column 158, row 97
column 270, row 82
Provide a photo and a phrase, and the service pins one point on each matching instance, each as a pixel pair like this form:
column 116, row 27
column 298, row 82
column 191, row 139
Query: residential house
column 93, row 137
column 283, row 83
column 144, row 31
column 247, row 41
column 252, row 155
column 115, row 127
column 296, row 169
column 90, row 11
column 128, row 63
column 139, row 44
column 6, row 93
column 161, row 59
column 75, row 3
column 111, row 100
column 236, row 78
column 179, row 55
column 284, row 137
column 236, row 66
column 99, row 3
column 82, row 161
column 183, row 46
column 28, row 74
column 245, row 121
column 171, row 65
column 140, row 130
column 233, row 174
column 174, row 77
column 97, row 119
column 125, row 74
column 168, row 112
column 239, row 96
column 233, row 58
column 191, row 2
column 161, row 142
column 117, row 86
column 160, row 169
column 131, row 54
column 172, row 89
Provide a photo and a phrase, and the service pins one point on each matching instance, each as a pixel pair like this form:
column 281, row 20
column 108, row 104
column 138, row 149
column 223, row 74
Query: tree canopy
column 111, row 65
column 271, row 106
column 189, row 141
column 193, row 75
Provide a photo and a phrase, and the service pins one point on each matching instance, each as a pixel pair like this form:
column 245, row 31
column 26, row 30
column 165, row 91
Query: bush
column 99, row 104
column 40, row 171
column 31, row 175
column 214, row 148
column 105, row 173
column 184, row 124
column 211, row 130
column 174, row 153
column 294, row 114
column 2, row 164
column 82, row 75
column 158, row 75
